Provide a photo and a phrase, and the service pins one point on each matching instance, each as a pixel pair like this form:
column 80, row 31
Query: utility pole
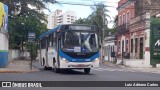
column 102, row 39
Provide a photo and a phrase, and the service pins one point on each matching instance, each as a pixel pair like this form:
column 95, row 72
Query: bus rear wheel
column 87, row 70
column 57, row 70
column 45, row 67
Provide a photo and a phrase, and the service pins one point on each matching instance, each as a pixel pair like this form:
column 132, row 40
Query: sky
column 85, row 11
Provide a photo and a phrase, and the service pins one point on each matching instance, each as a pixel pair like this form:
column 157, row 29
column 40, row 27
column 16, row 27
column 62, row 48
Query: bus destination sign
column 80, row 27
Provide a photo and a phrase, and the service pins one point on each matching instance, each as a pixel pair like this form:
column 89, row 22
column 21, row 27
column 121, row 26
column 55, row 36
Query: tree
column 25, row 16
column 83, row 21
column 112, row 30
column 99, row 18
column 22, row 7
column 19, row 28
column 115, row 21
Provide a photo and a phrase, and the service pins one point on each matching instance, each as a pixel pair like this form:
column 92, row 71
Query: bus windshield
column 74, row 41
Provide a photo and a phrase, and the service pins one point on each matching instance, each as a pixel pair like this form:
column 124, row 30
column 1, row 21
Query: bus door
column 58, row 47
column 46, row 54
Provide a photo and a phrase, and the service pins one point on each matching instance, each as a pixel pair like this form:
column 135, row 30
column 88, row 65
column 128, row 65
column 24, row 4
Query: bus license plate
column 80, row 65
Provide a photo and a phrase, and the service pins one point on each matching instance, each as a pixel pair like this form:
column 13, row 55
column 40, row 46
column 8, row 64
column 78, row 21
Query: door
column 141, row 48
column 122, row 48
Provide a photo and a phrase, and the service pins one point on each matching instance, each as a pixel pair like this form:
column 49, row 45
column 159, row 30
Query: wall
column 17, row 54
column 143, row 6
column 137, row 63
column 145, row 33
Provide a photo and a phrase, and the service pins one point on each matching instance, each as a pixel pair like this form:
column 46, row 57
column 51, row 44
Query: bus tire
column 87, row 70
column 57, row 70
column 44, row 66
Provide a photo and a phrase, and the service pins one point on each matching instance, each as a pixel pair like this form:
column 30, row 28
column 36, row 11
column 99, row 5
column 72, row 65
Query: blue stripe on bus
column 49, row 32
column 70, row 59
column 3, row 59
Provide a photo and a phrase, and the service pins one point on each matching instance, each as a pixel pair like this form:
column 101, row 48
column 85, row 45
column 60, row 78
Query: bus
column 70, row 46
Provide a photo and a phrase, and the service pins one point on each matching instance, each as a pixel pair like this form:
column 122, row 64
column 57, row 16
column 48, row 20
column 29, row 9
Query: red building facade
column 133, row 31
column 126, row 11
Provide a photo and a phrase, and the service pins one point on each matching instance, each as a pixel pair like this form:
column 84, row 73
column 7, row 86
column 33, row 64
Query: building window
column 126, row 45
column 123, row 18
column 119, row 44
column 131, row 45
column 120, row 20
column 113, row 49
column 136, row 45
column 128, row 16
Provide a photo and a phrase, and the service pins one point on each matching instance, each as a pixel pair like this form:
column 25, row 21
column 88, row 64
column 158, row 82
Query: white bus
column 70, row 47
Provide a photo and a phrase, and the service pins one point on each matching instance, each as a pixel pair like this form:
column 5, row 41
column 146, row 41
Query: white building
column 58, row 17
column 50, row 20
column 109, row 48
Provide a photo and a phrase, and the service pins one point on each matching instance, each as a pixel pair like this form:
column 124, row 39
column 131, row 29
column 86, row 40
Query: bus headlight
column 64, row 59
column 97, row 59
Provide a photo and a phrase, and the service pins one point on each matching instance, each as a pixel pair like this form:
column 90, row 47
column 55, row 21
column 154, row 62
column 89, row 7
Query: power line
column 93, row 1
column 81, row 4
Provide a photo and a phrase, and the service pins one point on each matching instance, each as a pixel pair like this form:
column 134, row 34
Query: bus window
column 51, row 40
column 43, row 43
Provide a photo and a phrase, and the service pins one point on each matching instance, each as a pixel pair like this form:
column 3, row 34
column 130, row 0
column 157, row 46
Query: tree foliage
column 19, row 28
column 97, row 17
column 26, row 16
column 83, row 21
column 155, row 22
column 22, row 7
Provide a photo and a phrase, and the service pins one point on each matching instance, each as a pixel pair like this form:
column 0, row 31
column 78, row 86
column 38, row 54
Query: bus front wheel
column 87, row 70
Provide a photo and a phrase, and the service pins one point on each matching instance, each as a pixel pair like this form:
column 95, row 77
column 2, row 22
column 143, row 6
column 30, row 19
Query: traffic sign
column 31, row 36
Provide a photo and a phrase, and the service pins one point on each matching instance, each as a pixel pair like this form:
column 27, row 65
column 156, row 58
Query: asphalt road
column 103, row 73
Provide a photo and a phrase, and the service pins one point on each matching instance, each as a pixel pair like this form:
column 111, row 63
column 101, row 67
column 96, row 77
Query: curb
column 18, row 71
column 10, row 71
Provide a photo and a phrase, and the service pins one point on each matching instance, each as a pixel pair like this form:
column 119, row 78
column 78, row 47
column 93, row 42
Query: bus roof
column 50, row 32
column 57, row 28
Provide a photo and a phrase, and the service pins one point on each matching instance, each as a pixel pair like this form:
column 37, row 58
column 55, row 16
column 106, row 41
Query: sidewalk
column 148, row 70
column 18, row 66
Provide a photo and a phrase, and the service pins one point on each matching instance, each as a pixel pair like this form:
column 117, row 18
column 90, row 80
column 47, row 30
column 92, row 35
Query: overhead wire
column 82, row 4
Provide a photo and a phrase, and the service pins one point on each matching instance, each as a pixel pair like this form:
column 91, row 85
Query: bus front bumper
column 65, row 64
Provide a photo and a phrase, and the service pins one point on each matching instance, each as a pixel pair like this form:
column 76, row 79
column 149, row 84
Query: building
column 58, row 17
column 50, row 20
column 125, row 13
column 109, row 48
column 133, row 31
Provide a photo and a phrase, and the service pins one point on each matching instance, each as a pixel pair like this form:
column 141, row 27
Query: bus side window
column 43, row 43
column 54, row 39
column 51, row 40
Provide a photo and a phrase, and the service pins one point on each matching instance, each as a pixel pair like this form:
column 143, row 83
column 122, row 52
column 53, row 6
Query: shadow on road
column 68, row 72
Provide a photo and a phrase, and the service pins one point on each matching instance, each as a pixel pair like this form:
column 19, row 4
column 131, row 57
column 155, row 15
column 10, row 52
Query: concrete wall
column 137, row 63
column 17, row 54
